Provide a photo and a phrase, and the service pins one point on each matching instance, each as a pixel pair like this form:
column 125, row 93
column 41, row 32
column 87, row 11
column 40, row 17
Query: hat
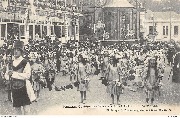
column 19, row 45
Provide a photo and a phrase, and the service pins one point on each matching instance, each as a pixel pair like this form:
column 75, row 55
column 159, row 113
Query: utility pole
column 27, row 24
column 170, row 23
column 14, row 10
column 153, row 28
column 153, row 23
column 170, row 15
column 170, row 18
column 137, row 19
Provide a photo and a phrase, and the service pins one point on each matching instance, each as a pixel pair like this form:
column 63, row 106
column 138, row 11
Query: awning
column 118, row 4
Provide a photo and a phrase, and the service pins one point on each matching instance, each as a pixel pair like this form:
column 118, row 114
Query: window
column 3, row 30
column 22, row 28
column 77, row 30
column 165, row 30
column 57, row 31
column 31, row 31
column 150, row 29
column 37, row 30
column 63, row 31
column 52, row 30
column 176, row 30
column 45, row 30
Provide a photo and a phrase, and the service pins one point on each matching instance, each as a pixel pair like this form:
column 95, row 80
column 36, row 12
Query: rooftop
column 118, row 4
column 163, row 15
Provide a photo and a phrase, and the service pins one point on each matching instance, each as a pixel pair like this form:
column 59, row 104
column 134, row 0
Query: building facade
column 26, row 20
column 70, row 19
column 119, row 19
column 160, row 26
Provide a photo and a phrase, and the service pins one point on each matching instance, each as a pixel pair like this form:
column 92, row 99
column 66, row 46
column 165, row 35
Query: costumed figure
column 51, row 78
column 64, row 64
column 171, row 51
column 88, row 67
column 37, row 70
column 122, row 71
column 7, row 79
column 113, row 79
column 72, row 71
column 104, row 69
column 22, row 92
column 138, row 76
column 151, row 79
column 104, row 64
column 82, row 76
column 58, row 62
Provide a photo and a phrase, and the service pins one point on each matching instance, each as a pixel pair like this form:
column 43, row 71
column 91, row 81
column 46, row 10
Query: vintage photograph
column 90, row 57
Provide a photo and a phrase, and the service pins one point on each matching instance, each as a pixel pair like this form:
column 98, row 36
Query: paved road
column 53, row 100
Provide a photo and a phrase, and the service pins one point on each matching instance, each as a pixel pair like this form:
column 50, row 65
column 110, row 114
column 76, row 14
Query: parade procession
column 87, row 52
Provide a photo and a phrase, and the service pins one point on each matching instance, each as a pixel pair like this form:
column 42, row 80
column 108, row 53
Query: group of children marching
column 127, row 68
column 117, row 68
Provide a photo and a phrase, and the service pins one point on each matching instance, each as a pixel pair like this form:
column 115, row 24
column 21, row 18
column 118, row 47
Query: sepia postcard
column 90, row 57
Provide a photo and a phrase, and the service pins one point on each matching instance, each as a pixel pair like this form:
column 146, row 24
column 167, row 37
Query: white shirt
column 26, row 72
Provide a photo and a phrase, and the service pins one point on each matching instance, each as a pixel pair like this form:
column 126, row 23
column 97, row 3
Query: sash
column 17, row 83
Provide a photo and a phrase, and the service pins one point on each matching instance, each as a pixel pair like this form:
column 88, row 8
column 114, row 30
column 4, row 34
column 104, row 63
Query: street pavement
column 51, row 101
